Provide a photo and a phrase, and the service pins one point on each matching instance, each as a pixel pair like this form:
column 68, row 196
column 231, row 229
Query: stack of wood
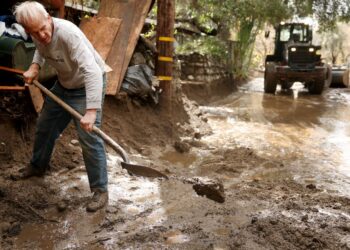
column 114, row 33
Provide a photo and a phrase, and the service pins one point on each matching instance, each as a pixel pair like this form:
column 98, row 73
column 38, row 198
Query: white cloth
column 16, row 30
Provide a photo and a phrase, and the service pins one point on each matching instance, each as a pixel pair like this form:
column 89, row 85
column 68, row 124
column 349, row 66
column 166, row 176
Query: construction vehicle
column 296, row 59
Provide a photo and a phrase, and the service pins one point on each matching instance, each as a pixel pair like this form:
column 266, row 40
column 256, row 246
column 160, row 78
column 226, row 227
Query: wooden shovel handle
column 17, row 71
column 75, row 114
column 78, row 116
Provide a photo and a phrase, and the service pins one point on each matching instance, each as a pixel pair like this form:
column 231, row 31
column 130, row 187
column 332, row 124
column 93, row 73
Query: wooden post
column 165, row 48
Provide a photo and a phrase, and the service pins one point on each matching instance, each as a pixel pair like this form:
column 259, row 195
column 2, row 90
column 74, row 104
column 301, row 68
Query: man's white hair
column 28, row 12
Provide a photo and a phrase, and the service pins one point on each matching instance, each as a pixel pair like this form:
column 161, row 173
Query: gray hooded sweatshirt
column 76, row 61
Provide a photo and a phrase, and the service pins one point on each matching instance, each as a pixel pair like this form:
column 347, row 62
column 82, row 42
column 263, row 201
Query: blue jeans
column 51, row 123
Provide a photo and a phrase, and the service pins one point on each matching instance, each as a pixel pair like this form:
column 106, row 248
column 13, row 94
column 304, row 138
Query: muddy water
column 262, row 147
column 309, row 134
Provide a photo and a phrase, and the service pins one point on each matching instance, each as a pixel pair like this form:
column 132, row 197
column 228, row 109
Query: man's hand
column 32, row 73
column 88, row 120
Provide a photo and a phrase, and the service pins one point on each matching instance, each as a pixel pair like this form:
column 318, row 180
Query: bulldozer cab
column 287, row 33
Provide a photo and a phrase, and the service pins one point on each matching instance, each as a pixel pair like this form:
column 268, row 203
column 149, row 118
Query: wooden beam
column 35, row 93
column 12, row 88
column 101, row 32
column 133, row 14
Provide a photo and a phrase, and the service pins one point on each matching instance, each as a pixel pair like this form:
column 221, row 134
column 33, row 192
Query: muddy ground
column 283, row 161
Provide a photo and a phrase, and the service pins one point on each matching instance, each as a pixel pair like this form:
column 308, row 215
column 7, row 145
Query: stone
column 337, row 205
column 212, row 189
column 182, row 147
column 311, row 186
column 190, row 77
column 197, row 135
column 74, row 142
column 62, row 206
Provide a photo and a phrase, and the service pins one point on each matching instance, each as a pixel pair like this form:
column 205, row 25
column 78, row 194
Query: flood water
column 309, row 134
column 300, row 137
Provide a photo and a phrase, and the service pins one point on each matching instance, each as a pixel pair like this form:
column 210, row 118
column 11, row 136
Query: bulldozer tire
column 316, row 87
column 328, row 76
column 286, row 85
column 270, row 82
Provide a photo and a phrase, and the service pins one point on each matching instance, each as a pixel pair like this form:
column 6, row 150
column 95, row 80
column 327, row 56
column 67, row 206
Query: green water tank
column 15, row 53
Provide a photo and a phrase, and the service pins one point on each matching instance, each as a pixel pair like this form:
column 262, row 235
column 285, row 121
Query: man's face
column 41, row 29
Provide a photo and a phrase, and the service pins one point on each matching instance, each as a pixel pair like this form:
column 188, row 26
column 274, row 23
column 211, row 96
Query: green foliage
column 204, row 45
column 94, row 4
column 329, row 12
column 243, row 19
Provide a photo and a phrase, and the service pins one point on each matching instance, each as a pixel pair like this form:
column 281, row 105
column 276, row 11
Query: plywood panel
column 133, row 14
column 37, row 97
column 101, row 32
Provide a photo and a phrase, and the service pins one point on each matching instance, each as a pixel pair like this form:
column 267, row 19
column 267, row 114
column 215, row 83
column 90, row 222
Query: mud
column 280, row 164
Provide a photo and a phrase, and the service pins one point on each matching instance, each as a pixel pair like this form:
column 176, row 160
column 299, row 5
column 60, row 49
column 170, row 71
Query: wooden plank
column 37, row 97
column 35, row 93
column 12, row 88
column 133, row 14
column 101, row 32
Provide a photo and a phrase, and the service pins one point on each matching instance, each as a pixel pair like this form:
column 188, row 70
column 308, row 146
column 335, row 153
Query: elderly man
column 81, row 82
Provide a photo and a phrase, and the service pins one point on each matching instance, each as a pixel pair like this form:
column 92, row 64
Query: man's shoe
column 28, row 171
column 98, row 201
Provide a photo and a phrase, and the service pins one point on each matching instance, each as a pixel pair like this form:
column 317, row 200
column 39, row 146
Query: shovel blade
column 143, row 171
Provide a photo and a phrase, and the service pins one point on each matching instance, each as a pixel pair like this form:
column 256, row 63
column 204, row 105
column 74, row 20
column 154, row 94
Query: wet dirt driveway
column 310, row 133
column 284, row 161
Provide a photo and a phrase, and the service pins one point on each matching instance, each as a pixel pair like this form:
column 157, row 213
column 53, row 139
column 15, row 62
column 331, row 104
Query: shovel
column 133, row 169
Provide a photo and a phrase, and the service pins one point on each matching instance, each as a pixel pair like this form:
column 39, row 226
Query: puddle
column 182, row 159
column 70, row 233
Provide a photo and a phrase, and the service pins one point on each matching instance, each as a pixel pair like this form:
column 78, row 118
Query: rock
column 75, row 159
column 254, row 219
column 14, row 230
column 74, row 142
column 305, row 218
column 337, row 205
column 274, row 221
column 112, row 209
column 197, row 135
column 190, row 77
column 311, row 186
column 145, row 151
column 204, row 119
column 345, row 228
column 182, row 147
column 71, row 166
column 213, row 190
column 323, row 225
column 62, row 206
column 315, row 210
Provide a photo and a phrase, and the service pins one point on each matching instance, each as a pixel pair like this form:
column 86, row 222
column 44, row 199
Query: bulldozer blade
column 340, row 78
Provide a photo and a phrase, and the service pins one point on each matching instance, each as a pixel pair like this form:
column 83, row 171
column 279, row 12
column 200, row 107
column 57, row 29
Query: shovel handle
column 17, row 71
column 75, row 114
column 78, row 116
